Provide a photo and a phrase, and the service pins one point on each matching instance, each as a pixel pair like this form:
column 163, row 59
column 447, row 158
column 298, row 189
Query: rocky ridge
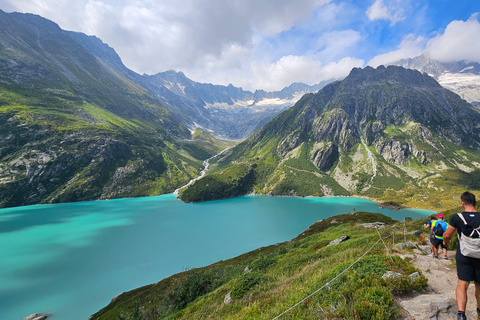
column 462, row 77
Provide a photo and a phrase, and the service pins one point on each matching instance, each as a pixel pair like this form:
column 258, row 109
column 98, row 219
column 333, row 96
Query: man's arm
column 447, row 235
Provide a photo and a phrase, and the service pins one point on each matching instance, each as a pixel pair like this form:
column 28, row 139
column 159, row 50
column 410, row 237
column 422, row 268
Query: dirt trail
column 442, row 281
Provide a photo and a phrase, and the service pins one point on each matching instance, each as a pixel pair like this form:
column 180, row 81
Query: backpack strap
column 463, row 218
column 475, row 230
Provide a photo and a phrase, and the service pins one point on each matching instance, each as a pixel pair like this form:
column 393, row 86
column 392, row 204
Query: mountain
column 461, row 77
column 74, row 127
column 386, row 133
column 225, row 111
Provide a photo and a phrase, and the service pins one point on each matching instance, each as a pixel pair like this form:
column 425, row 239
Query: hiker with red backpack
column 467, row 225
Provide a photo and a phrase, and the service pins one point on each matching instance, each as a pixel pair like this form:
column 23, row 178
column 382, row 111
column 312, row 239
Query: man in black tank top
column 468, row 269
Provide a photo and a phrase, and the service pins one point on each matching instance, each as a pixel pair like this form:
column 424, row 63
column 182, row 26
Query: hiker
column 436, row 232
column 468, row 268
column 432, row 237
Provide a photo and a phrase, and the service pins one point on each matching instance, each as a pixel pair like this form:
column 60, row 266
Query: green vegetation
column 61, row 148
column 265, row 282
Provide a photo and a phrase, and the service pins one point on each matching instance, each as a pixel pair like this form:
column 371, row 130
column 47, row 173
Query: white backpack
column 470, row 243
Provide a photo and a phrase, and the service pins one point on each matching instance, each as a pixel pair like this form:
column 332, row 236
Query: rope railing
column 327, row 285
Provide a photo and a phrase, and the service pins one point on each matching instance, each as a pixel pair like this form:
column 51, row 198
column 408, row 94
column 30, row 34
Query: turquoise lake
column 72, row 259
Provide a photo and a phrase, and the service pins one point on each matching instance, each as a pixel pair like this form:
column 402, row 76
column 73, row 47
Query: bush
column 197, row 283
column 246, row 282
column 262, row 263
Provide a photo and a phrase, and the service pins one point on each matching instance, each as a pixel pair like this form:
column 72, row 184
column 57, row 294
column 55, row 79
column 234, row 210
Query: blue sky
column 268, row 44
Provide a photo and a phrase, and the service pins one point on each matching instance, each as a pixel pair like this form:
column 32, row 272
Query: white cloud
column 392, row 11
column 409, row 47
column 335, row 44
column 340, row 69
column 458, row 42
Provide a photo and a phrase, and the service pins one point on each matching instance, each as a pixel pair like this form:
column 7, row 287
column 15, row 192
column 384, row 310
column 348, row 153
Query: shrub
column 262, row 263
column 246, row 282
column 197, row 283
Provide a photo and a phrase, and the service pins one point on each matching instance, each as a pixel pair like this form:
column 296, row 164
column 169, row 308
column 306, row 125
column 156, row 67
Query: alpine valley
column 76, row 124
column 388, row 133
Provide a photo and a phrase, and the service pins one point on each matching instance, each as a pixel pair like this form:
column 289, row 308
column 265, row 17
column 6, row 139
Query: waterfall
column 206, row 164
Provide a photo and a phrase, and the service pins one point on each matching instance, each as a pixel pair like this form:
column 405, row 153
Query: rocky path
column 439, row 300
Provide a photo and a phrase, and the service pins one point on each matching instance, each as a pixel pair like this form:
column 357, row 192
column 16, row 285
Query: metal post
column 393, row 233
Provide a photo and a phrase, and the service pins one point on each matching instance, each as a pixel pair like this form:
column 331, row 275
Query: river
column 71, row 259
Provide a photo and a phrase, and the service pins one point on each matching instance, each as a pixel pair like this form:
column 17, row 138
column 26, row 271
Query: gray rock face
column 339, row 240
column 394, row 151
column 324, row 157
column 428, row 307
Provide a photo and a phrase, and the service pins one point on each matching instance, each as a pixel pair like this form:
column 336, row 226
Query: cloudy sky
column 268, row 44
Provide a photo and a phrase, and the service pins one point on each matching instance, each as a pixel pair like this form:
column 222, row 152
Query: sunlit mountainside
column 387, row 133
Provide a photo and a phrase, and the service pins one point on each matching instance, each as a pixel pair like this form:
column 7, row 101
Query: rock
column 334, row 221
column 391, row 274
column 38, row 316
column 228, row 298
column 426, row 249
column 404, row 256
column 324, row 157
column 427, row 307
column 416, row 233
column 417, row 251
column 404, row 245
column 379, row 225
column 414, row 276
column 247, row 269
column 339, row 240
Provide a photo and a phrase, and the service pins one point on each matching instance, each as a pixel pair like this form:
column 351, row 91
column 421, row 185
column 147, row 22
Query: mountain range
column 385, row 133
column 76, row 124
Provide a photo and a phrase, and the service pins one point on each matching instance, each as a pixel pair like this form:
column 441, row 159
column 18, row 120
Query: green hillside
column 73, row 127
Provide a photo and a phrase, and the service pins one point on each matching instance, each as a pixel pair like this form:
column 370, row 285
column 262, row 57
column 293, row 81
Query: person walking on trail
column 436, row 233
column 432, row 237
column 468, row 267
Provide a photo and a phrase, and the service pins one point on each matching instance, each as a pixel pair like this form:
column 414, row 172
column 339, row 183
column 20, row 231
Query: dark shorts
column 439, row 242
column 432, row 239
column 468, row 269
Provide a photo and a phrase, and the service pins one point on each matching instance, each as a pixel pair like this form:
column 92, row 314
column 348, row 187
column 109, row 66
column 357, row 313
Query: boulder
column 416, row 233
column 404, row 245
column 414, row 276
column 426, row 249
column 339, row 240
column 427, row 307
column 227, row 298
column 379, row 225
column 391, row 274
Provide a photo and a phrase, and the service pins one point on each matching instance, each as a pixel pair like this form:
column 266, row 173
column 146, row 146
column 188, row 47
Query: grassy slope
column 89, row 143
column 281, row 275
